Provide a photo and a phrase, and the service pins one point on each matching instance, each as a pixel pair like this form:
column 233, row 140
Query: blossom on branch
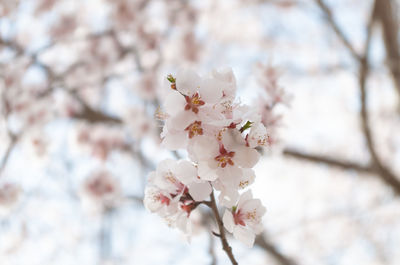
column 244, row 220
column 220, row 135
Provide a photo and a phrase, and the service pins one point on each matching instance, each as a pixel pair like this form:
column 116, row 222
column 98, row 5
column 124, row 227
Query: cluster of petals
column 220, row 136
column 174, row 190
column 244, row 219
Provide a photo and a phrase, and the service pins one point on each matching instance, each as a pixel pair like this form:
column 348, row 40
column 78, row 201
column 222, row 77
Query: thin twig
column 14, row 139
column 224, row 241
column 263, row 243
column 330, row 161
column 211, row 251
column 335, row 26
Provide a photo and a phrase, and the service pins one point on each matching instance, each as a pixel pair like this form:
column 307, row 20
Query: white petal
column 232, row 140
column 200, row 191
column 174, row 103
column 204, row 148
column 186, row 172
column 258, row 135
column 250, row 205
column 166, row 165
column 230, row 175
column 205, row 172
column 227, row 77
column 244, row 198
column 228, row 197
column 187, row 82
column 247, row 178
column 246, row 157
column 257, row 228
column 175, row 141
column 244, row 235
column 181, row 120
column 210, row 90
column 228, row 221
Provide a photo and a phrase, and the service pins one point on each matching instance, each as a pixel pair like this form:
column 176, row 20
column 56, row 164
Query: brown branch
column 384, row 172
column 222, row 235
column 347, row 165
column 94, row 116
column 14, row 139
column 211, row 250
column 387, row 15
column 263, row 243
column 335, row 26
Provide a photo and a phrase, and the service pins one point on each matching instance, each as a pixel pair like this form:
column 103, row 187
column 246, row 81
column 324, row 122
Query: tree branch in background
column 384, row 172
column 211, row 251
column 376, row 165
column 263, row 243
column 330, row 161
column 13, row 141
column 94, row 116
column 389, row 19
column 335, row 26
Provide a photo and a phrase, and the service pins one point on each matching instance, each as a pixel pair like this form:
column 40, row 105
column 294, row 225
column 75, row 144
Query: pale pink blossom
column 174, row 191
column 225, row 157
column 101, row 190
column 245, row 219
column 9, row 195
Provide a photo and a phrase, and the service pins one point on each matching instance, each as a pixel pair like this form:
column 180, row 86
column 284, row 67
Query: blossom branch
column 225, row 245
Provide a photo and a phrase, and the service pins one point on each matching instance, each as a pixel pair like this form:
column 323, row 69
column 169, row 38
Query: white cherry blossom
column 220, row 136
column 244, row 220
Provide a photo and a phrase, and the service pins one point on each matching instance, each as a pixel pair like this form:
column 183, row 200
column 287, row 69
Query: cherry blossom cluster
column 221, row 136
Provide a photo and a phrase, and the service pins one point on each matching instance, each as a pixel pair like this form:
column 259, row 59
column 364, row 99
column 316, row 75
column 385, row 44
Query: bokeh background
column 81, row 86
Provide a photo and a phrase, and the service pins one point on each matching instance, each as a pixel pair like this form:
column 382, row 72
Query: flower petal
column 186, row 172
column 210, row 90
column 200, row 191
column 175, row 141
column 246, row 157
column 228, row 221
column 187, row 82
column 205, row 172
column 244, row 235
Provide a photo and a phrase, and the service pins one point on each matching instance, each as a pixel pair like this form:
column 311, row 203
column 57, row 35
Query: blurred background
column 81, row 86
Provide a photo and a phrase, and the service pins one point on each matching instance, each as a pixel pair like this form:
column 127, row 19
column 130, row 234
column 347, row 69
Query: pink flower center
column 163, row 199
column 194, row 129
column 224, row 157
column 193, row 103
column 238, row 218
column 188, row 207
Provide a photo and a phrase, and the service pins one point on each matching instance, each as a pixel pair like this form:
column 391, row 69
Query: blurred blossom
column 100, row 192
column 9, row 196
